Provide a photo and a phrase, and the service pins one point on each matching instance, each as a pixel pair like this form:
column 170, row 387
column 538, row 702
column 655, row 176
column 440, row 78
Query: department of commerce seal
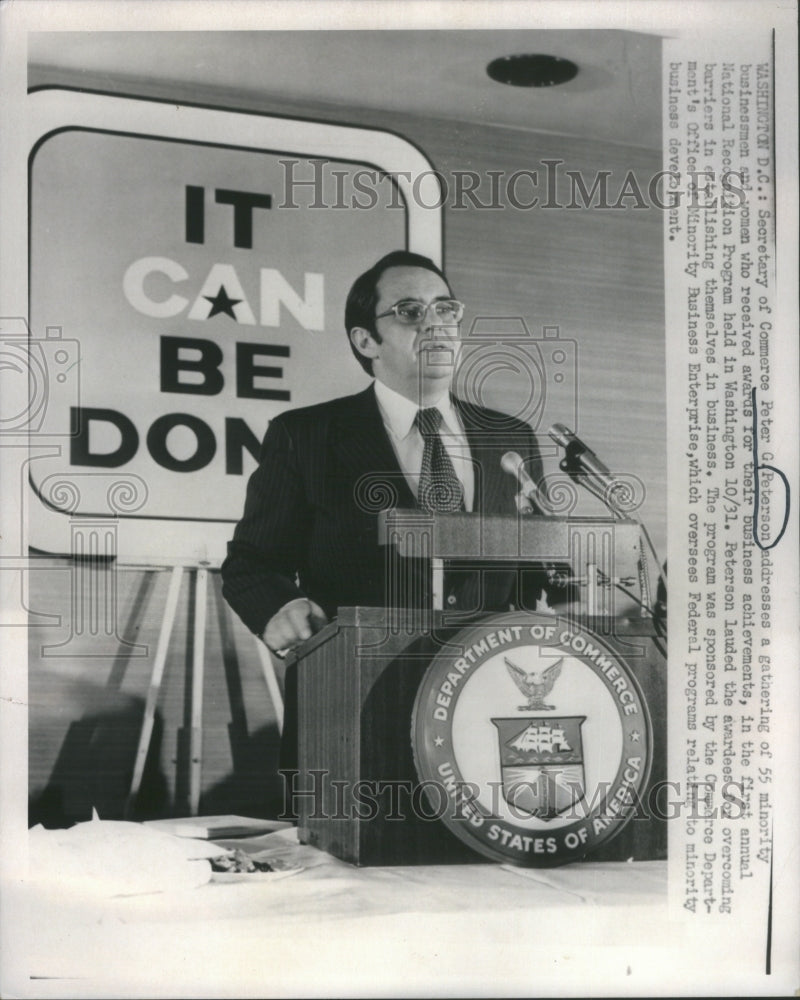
column 532, row 739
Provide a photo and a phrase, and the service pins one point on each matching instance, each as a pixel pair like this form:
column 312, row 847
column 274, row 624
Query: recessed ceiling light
column 532, row 70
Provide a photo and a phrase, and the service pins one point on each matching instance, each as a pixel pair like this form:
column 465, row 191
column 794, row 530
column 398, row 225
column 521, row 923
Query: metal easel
column 198, row 669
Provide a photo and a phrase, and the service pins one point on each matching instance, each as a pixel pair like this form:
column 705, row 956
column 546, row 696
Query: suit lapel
column 366, row 456
column 492, row 486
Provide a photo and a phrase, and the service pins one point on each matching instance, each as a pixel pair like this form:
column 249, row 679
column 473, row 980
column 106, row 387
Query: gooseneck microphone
column 581, row 464
column 579, row 459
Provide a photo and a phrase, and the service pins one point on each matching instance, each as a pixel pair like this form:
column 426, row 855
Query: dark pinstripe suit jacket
column 310, row 519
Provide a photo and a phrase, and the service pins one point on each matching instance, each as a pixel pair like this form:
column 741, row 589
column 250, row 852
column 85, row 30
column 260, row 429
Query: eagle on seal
column 535, row 684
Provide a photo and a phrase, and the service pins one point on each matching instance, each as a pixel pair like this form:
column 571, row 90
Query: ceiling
column 616, row 96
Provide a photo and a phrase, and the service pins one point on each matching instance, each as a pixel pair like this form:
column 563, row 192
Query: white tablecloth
column 333, row 929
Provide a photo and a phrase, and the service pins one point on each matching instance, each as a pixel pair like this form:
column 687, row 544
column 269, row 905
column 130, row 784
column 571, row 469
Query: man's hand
column 296, row 621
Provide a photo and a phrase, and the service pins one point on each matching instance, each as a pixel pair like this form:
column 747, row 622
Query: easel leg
column 154, row 690
column 198, row 668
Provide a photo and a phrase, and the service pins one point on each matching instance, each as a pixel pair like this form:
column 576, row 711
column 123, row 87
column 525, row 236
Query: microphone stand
column 572, row 466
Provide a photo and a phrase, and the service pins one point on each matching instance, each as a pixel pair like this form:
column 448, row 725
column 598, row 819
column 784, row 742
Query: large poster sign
column 181, row 262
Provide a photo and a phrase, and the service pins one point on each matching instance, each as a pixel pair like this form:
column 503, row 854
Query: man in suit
column 308, row 541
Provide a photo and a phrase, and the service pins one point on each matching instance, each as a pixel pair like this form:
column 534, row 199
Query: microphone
column 579, row 458
column 512, row 463
column 580, row 461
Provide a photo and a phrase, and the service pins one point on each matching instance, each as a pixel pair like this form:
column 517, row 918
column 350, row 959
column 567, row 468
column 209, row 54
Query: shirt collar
column 399, row 413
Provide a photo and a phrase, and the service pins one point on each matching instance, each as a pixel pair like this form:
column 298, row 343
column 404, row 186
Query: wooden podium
column 357, row 791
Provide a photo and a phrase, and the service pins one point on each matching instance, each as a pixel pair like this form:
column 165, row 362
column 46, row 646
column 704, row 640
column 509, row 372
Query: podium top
column 500, row 536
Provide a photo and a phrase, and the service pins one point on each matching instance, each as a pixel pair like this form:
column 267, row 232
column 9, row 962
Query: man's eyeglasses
column 410, row 311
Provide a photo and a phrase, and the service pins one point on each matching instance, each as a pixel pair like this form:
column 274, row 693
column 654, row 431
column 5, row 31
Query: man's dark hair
column 363, row 297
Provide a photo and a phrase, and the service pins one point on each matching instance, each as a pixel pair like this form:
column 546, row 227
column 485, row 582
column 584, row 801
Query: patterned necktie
column 440, row 488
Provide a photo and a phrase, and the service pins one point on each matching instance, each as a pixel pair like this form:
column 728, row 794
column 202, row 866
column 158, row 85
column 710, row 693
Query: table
column 333, row 929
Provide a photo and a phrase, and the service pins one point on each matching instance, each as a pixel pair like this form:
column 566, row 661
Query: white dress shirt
column 399, row 414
